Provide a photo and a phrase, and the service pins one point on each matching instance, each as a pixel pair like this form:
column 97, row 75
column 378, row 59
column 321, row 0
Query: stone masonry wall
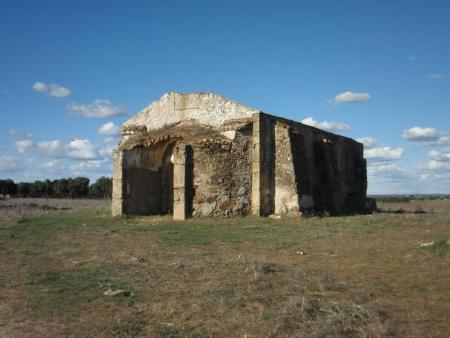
column 301, row 167
column 330, row 171
column 222, row 176
column 286, row 198
column 201, row 108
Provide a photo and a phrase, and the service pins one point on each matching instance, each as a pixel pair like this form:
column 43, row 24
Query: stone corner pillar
column 256, row 165
column 118, row 183
column 262, row 165
column 180, row 206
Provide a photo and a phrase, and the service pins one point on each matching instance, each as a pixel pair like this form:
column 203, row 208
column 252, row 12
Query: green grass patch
column 53, row 292
column 439, row 247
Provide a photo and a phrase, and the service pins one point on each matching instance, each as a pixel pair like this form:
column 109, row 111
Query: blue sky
column 378, row 71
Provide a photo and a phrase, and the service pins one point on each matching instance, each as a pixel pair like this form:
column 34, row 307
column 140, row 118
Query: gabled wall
column 205, row 109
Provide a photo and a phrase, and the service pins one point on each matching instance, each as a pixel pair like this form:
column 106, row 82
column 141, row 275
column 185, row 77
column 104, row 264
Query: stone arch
column 148, row 178
column 158, row 179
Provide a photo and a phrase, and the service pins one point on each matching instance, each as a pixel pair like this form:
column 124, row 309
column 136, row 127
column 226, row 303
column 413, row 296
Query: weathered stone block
column 117, row 205
column 179, row 194
column 117, row 188
column 117, row 172
column 179, row 176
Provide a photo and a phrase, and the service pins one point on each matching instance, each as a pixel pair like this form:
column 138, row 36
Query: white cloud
column 380, row 169
column 18, row 133
column 440, row 156
column 351, row 97
column 11, row 164
column 368, row 142
column 327, row 125
column 109, row 145
column 426, row 136
column 436, row 76
column 386, row 177
column 106, row 152
column 391, row 178
column 23, row 145
column 102, row 167
column 91, row 164
column 419, row 134
column 52, row 148
column 40, row 87
column 436, row 165
column 443, row 141
column 110, row 140
column 77, row 149
column 99, row 109
column 52, row 89
column 54, row 167
column 81, row 149
column 384, row 154
column 109, row 129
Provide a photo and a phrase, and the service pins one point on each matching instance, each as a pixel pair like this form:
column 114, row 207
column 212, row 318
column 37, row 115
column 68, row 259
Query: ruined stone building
column 200, row 154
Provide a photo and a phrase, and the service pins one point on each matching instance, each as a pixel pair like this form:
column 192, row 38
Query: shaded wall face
column 148, row 180
column 336, row 177
column 306, row 169
column 222, row 176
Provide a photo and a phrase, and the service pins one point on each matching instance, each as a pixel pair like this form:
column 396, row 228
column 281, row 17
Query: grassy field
column 68, row 269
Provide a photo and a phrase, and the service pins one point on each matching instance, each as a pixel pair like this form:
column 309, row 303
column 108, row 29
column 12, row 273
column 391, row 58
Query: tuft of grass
column 168, row 330
column 131, row 328
column 439, row 247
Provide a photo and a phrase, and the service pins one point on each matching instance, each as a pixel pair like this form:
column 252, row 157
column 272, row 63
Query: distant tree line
column 77, row 187
column 408, row 198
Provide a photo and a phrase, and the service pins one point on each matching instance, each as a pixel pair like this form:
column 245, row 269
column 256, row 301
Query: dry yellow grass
column 360, row 276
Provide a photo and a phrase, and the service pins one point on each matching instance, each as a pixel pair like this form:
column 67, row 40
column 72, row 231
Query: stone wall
column 302, row 168
column 222, row 175
column 208, row 177
column 201, row 108
column 330, row 170
column 286, row 195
